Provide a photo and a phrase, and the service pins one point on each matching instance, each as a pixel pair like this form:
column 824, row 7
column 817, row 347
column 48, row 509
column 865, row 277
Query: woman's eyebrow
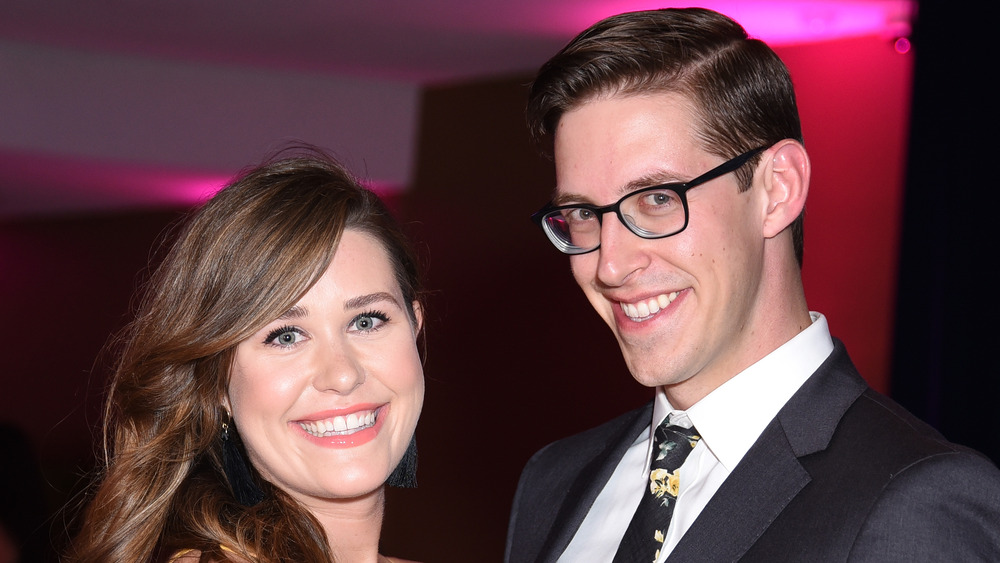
column 366, row 300
column 294, row 312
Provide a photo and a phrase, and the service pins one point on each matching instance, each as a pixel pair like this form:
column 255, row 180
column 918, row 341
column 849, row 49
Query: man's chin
column 658, row 365
column 652, row 374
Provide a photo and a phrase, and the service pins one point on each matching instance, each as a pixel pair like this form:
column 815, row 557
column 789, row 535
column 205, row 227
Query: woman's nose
column 339, row 371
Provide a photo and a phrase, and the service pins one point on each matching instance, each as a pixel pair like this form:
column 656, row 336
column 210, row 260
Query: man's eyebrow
column 650, row 180
column 567, row 198
column 646, row 181
column 362, row 301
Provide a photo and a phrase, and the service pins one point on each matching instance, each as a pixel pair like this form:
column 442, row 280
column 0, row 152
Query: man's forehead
column 616, row 120
column 624, row 143
column 668, row 100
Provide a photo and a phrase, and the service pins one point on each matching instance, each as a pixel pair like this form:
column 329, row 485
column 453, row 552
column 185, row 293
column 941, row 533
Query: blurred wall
column 127, row 116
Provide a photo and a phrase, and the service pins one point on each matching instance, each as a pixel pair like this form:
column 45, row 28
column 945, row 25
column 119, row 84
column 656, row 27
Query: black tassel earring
column 237, row 472
column 405, row 474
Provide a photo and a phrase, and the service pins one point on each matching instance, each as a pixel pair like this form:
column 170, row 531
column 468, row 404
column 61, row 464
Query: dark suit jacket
column 842, row 473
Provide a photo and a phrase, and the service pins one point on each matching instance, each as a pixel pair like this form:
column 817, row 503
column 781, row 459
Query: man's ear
column 786, row 184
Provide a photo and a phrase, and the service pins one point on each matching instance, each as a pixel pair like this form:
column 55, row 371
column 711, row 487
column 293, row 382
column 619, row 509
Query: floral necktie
column 648, row 528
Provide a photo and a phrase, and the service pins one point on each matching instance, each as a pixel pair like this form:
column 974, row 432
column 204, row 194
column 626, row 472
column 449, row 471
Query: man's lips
column 341, row 425
column 641, row 310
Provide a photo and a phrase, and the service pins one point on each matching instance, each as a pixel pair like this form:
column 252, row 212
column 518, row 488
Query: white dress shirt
column 729, row 421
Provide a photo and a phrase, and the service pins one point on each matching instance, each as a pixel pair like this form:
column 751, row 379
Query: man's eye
column 657, row 199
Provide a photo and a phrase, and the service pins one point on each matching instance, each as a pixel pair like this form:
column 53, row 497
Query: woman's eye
column 367, row 322
column 284, row 337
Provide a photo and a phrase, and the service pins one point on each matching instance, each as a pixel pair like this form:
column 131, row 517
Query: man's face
column 685, row 309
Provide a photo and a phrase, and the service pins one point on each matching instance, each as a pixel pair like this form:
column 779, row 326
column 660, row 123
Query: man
column 681, row 180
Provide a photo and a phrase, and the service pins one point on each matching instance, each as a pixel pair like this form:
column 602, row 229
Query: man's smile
column 643, row 310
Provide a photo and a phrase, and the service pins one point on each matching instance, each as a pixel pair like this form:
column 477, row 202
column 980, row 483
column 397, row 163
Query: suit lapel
column 771, row 475
column 589, row 482
column 747, row 502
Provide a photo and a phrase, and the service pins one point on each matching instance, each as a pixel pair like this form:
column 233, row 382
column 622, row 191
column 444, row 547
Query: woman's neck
column 352, row 526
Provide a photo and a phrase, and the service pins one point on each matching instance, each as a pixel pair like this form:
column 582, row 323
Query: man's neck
column 764, row 339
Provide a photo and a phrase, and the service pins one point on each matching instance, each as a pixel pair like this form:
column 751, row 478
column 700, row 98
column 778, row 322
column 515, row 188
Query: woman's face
column 326, row 397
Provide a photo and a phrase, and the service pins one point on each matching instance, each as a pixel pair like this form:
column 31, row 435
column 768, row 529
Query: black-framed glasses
column 655, row 212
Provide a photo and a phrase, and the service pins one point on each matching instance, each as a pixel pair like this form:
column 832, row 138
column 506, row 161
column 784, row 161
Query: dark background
column 944, row 359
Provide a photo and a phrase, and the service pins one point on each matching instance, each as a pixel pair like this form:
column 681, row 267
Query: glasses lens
column 654, row 213
column 573, row 230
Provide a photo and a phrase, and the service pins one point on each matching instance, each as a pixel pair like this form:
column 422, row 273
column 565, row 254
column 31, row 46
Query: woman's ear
column 418, row 316
column 786, row 183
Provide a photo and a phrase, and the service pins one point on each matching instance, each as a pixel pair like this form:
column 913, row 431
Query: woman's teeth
column 340, row 425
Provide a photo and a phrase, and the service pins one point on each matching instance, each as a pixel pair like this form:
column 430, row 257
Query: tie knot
column 672, row 444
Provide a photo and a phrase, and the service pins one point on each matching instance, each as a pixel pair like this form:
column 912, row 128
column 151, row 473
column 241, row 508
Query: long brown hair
column 240, row 261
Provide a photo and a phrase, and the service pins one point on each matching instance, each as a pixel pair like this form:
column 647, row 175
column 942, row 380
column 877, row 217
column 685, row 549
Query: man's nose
column 620, row 253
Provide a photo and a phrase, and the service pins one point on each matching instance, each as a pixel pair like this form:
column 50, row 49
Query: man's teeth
column 340, row 425
column 649, row 307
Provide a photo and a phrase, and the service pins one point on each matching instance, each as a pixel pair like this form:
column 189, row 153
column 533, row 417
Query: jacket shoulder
column 889, row 478
column 561, row 479
column 592, row 442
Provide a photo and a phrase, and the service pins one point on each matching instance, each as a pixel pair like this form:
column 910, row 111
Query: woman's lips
column 340, row 425
column 344, row 430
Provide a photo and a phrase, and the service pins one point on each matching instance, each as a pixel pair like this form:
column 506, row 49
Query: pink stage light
column 781, row 22
column 903, row 45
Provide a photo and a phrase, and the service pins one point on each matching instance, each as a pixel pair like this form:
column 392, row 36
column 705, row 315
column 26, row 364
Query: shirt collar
column 732, row 417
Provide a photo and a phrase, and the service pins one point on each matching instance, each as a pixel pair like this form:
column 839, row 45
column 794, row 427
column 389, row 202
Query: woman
column 270, row 384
